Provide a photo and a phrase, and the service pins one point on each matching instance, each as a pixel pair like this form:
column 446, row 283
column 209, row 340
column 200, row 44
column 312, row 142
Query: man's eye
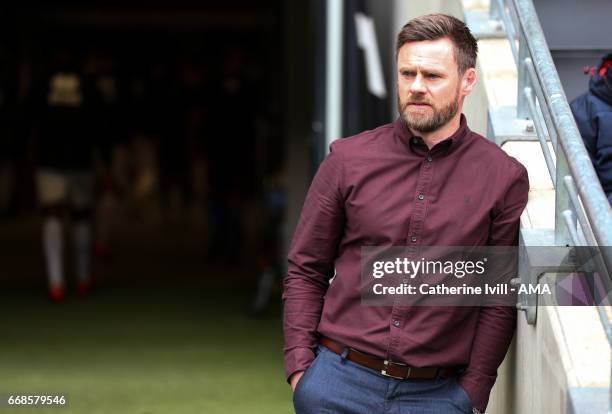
column 407, row 73
column 433, row 76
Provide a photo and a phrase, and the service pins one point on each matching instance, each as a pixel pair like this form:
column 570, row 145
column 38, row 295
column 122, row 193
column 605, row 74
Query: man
column 424, row 180
column 593, row 113
column 64, row 177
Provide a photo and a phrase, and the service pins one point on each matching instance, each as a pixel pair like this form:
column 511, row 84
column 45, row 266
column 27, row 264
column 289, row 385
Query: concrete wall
column 565, row 351
column 532, row 377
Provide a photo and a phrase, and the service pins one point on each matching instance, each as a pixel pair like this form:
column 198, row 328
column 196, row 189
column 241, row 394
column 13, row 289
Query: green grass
column 173, row 350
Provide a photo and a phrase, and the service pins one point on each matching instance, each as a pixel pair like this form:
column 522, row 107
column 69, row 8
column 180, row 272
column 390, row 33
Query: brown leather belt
column 385, row 367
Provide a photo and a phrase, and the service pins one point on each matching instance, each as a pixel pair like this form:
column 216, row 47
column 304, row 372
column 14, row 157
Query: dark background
column 190, row 165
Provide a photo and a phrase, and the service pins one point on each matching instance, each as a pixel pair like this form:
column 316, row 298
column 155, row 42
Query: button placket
column 418, row 215
column 414, row 228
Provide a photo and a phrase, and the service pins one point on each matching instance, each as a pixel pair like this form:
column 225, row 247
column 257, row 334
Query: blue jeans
column 333, row 384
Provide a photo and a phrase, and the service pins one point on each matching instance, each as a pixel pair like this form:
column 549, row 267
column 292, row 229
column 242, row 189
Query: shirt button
column 429, row 159
column 413, row 238
column 396, row 323
column 421, row 197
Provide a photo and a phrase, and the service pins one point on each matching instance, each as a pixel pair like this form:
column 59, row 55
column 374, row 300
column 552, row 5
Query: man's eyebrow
column 431, row 72
column 425, row 71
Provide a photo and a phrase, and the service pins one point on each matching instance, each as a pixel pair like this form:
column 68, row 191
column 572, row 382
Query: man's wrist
column 295, row 378
column 294, row 375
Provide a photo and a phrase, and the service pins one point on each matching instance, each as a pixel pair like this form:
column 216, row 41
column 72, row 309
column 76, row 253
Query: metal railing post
column 495, row 11
column 522, row 106
column 562, row 203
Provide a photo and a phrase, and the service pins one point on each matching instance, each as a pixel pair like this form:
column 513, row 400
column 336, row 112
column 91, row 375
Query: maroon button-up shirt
column 385, row 187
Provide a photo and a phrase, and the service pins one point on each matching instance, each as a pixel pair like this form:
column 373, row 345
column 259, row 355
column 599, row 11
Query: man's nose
column 417, row 85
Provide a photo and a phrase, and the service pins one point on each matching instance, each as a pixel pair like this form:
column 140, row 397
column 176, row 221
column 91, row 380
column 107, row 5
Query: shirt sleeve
column 496, row 325
column 311, row 263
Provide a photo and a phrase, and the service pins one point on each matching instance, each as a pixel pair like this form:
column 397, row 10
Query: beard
column 427, row 122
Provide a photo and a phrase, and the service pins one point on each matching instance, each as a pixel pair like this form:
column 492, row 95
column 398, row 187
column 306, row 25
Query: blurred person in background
column 231, row 148
column 165, row 109
column 195, row 86
column 271, row 263
column 593, row 113
column 65, row 181
column 107, row 119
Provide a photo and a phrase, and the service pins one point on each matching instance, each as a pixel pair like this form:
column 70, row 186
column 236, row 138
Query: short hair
column 437, row 26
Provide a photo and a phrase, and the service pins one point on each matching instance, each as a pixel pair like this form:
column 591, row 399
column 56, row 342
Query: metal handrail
column 579, row 197
column 537, row 73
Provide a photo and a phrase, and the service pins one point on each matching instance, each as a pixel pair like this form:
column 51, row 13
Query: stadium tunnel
column 202, row 124
column 187, row 109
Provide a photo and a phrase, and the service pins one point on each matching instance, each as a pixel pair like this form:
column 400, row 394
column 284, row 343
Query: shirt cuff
column 478, row 390
column 298, row 359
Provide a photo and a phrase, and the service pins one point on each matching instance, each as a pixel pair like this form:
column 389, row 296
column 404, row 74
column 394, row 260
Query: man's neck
column 440, row 134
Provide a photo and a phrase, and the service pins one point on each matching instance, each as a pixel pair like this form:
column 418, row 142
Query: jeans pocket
column 298, row 386
column 302, row 382
column 465, row 398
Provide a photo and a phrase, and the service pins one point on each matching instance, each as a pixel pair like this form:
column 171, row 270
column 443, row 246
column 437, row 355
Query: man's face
column 430, row 90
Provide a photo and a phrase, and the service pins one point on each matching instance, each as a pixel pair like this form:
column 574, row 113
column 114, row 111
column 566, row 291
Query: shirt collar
column 416, row 143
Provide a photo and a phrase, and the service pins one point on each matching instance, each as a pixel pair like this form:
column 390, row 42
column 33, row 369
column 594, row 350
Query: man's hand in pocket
column 295, row 378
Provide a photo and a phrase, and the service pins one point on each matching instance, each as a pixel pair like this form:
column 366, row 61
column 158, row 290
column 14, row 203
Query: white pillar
column 401, row 15
column 333, row 84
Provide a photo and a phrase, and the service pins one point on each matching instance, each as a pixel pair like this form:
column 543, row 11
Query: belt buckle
column 387, row 363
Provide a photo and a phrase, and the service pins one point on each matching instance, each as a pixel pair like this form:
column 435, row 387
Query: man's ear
column 468, row 81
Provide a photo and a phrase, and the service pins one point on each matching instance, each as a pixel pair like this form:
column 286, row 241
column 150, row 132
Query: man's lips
column 416, row 106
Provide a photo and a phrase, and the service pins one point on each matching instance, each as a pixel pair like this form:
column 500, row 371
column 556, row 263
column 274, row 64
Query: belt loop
column 343, row 355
